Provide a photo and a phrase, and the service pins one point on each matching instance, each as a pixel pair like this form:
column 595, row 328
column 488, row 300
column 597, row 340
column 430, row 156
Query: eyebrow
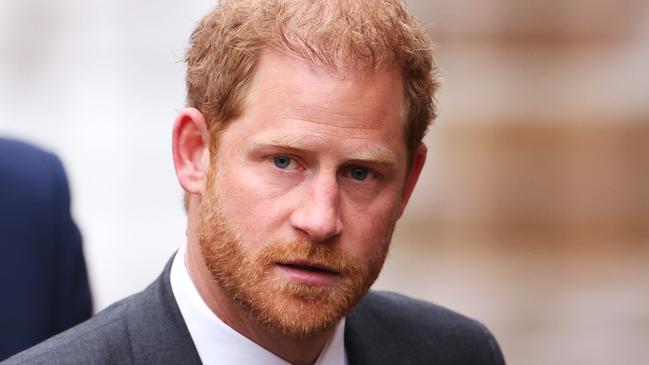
column 370, row 154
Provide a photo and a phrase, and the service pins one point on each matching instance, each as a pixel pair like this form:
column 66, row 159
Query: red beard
column 294, row 309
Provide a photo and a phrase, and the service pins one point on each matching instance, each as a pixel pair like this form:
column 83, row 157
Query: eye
column 282, row 162
column 359, row 173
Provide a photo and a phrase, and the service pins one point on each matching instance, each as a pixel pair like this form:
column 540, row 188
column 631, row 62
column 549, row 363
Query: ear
column 190, row 145
column 418, row 161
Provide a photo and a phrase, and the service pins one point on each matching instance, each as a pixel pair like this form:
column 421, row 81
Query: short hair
column 334, row 34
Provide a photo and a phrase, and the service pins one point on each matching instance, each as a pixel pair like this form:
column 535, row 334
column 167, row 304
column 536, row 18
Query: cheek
column 254, row 211
column 368, row 229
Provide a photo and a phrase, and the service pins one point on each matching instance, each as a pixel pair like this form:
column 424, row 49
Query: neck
column 303, row 351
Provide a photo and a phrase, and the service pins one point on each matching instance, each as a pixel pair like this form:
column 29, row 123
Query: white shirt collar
column 218, row 343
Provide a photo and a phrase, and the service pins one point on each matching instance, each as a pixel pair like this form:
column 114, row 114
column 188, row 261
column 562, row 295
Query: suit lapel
column 157, row 331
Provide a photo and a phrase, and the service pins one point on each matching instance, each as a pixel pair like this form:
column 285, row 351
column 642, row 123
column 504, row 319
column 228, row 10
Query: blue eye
column 282, row 162
column 359, row 173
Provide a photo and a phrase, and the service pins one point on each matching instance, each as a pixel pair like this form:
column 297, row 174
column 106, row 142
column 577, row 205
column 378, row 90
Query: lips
column 308, row 273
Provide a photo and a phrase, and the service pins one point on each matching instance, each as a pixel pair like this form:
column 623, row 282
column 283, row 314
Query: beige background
column 532, row 214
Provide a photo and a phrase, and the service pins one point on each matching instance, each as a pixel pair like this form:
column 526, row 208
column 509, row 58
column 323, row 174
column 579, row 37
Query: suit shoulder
column 30, row 174
column 145, row 328
column 103, row 339
column 22, row 156
column 20, row 148
column 426, row 330
column 393, row 307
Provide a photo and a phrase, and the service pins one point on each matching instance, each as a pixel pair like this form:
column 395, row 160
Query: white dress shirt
column 218, row 343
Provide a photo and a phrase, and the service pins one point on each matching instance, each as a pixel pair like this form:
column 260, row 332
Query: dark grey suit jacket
column 384, row 328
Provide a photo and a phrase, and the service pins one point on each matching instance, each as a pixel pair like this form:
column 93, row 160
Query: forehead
column 293, row 103
column 344, row 97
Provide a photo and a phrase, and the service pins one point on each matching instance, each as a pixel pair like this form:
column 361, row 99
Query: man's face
column 304, row 192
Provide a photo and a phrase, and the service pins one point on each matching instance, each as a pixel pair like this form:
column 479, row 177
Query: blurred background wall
column 532, row 213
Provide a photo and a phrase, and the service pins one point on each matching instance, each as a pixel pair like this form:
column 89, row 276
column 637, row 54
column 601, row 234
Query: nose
column 318, row 213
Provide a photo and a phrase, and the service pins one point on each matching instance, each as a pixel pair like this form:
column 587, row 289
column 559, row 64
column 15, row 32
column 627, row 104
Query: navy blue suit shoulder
column 42, row 268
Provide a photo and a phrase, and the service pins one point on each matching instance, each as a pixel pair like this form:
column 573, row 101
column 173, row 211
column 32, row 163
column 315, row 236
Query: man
column 43, row 277
column 298, row 151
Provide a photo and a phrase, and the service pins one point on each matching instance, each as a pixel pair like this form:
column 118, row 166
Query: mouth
column 308, row 266
column 308, row 272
